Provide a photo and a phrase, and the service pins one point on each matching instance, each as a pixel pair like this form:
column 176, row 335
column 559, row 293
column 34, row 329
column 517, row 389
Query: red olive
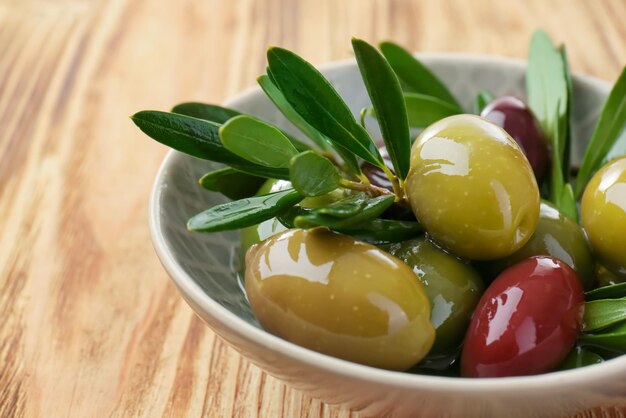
column 375, row 175
column 526, row 322
column 516, row 119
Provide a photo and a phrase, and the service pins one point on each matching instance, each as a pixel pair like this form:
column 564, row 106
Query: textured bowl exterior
column 204, row 268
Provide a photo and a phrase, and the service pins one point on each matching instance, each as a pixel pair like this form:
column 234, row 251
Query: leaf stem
column 363, row 187
column 398, row 190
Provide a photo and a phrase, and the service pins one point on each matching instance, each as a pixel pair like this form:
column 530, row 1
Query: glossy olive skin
column 556, row 236
column 332, row 294
column 517, row 120
column 604, row 215
column 452, row 286
column 526, row 322
column 472, row 188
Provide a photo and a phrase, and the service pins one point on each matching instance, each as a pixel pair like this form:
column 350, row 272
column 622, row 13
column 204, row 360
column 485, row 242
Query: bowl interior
column 213, row 260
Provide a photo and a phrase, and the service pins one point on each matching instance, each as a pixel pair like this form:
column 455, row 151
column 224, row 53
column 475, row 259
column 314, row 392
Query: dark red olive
column 375, row 175
column 517, row 120
column 526, row 322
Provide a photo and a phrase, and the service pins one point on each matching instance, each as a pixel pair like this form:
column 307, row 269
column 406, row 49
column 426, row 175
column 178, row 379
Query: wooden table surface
column 91, row 325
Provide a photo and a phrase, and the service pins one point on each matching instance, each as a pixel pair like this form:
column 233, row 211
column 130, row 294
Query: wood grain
column 91, row 326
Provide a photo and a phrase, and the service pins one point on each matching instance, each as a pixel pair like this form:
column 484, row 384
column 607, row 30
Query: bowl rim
column 568, row 379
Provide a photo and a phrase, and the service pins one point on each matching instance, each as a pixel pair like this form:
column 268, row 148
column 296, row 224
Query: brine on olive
column 333, row 294
column 517, row 120
column 556, row 236
column 452, row 286
column 472, row 188
column 604, row 215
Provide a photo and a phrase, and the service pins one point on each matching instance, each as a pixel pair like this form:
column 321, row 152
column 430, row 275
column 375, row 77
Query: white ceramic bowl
column 203, row 268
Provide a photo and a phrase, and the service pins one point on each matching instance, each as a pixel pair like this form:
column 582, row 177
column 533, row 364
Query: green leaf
column 613, row 338
column 603, row 313
column 198, row 138
column 231, row 183
column 313, row 175
column 568, row 203
column 213, row 113
column 567, row 120
column 257, row 141
column 276, row 96
column 415, row 74
column 610, row 129
column 548, row 97
column 579, row 357
column 244, row 212
column 483, row 98
column 385, row 92
column 312, row 96
column 372, row 209
column 221, row 115
column 424, row 110
column 607, row 292
column 346, row 207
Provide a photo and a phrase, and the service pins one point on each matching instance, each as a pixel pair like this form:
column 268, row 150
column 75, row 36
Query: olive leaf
column 373, row 208
column 231, row 183
column 610, row 130
column 385, row 92
column 257, row 141
column 245, row 212
column 613, row 338
column 346, row 207
column 415, row 75
column 482, row 99
column 607, row 292
column 213, row 113
column 319, row 104
column 424, row 110
column 276, row 96
column 600, row 314
column 313, row 175
column 547, row 88
column 579, row 357
column 198, row 138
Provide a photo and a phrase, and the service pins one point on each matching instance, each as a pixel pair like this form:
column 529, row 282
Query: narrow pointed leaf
column 613, row 338
column 424, row 110
column 610, row 130
column 580, row 357
column 231, row 183
column 601, row 314
column 607, row 292
column 319, row 104
column 313, row 175
column 385, row 93
column 415, row 74
column 346, row 207
column 213, row 113
column 198, row 138
column 371, row 210
column 244, row 212
column 257, row 142
column 481, row 101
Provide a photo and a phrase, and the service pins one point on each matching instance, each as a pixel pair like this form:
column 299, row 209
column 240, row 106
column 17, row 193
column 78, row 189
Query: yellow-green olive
column 332, row 294
column 472, row 188
column 452, row 286
column 604, row 215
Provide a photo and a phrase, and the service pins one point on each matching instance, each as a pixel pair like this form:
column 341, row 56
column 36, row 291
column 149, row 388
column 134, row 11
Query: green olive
column 604, row 215
column 472, row 188
column 452, row 286
column 332, row 294
column 556, row 236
